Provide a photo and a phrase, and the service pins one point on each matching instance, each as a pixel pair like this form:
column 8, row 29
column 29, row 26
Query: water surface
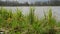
column 39, row 11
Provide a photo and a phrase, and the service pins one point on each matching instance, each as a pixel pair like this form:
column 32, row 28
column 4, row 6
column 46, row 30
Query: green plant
column 17, row 23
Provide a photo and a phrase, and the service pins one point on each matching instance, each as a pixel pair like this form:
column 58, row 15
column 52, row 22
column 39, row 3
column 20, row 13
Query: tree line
column 38, row 3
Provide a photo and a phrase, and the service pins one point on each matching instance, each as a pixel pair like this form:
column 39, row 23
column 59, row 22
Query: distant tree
column 26, row 3
column 55, row 2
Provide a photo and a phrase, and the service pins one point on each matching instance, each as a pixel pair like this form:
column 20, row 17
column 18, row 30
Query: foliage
column 17, row 23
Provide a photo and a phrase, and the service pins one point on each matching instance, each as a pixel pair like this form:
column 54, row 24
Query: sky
column 29, row 1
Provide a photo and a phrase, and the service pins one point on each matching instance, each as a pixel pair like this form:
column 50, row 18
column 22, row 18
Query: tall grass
column 17, row 23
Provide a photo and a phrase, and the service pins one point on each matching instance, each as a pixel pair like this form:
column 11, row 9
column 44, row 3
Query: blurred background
column 29, row 2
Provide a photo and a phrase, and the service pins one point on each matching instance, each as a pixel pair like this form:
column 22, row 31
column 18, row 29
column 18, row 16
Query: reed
column 17, row 23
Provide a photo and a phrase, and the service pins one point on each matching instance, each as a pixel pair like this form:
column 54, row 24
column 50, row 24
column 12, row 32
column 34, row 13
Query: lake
column 39, row 10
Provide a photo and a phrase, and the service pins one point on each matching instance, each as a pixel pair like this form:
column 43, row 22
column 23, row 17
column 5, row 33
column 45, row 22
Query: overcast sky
column 22, row 1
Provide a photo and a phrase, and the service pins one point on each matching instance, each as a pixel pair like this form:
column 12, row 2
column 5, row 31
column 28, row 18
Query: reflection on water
column 38, row 10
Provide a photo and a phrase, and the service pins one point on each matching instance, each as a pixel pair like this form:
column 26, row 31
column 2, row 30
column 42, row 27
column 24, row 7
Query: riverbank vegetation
column 17, row 23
